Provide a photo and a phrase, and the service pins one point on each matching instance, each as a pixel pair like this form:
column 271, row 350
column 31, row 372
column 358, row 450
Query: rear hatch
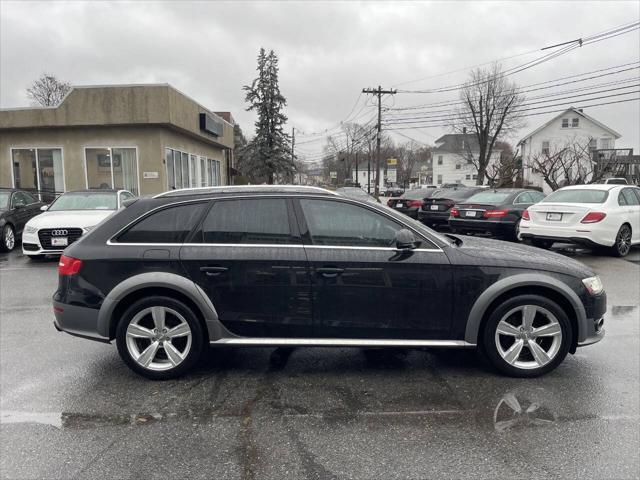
column 474, row 211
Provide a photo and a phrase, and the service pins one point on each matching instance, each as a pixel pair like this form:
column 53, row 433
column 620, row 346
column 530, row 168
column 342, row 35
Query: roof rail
column 245, row 189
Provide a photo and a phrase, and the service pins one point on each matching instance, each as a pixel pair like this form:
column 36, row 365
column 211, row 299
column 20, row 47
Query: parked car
column 357, row 193
column 70, row 216
column 496, row 212
column 17, row 207
column 616, row 181
column 410, row 201
column 435, row 209
column 600, row 216
column 394, row 192
column 301, row 266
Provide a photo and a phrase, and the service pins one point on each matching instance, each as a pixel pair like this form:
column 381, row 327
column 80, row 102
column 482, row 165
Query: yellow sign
column 392, row 161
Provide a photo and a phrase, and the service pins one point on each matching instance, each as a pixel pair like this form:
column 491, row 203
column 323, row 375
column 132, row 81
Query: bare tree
column 47, row 91
column 489, row 111
column 506, row 171
column 572, row 163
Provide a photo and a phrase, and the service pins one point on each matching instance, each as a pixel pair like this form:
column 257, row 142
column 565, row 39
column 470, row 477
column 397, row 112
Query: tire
column 514, row 236
column 623, row 242
column 155, row 354
column 546, row 244
column 7, row 238
column 553, row 343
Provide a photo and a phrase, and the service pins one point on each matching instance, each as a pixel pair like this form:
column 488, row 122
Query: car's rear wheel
column 527, row 336
column 546, row 244
column 159, row 338
column 8, row 239
column 623, row 242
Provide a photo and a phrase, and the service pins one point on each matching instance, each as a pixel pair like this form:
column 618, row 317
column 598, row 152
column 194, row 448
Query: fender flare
column 523, row 280
column 170, row 281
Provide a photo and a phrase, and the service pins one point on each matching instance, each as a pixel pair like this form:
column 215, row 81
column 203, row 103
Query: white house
column 452, row 159
column 572, row 126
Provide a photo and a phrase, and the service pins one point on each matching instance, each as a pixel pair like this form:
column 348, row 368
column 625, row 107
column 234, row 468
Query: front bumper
column 78, row 321
column 593, row 331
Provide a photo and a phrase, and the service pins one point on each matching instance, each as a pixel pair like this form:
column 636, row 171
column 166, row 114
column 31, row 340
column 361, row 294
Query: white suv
column 70, row 216
column 592, row 215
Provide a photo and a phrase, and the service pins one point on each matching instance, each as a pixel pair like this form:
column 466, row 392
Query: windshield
column 85, row 201
column 577, row 196
column 4, row 199
column 489, row 197
column 419, row 193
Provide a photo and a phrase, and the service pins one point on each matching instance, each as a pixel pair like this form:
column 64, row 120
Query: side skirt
column 339, row 342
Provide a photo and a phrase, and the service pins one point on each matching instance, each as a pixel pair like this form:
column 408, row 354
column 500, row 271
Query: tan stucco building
column 143, row 138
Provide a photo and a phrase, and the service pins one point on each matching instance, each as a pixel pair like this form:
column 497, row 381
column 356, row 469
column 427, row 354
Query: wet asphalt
column 69, row 408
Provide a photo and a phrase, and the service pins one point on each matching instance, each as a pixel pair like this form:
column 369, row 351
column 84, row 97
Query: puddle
column 76, row 421
column 621, row 310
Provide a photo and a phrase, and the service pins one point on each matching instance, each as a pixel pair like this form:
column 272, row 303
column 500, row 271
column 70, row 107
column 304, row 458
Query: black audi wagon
column 301, row 266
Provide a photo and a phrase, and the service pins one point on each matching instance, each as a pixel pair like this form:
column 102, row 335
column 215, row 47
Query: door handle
column 213, row 271
column 329, row 272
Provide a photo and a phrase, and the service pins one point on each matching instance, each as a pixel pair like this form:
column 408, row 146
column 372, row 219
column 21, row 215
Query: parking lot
column 71, row 409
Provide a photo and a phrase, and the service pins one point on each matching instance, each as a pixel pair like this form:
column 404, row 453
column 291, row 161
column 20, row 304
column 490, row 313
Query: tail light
column 495, row 213
column 525, row 215
column 455, row 212
column 593, row 217
column 69, row 266
column 390, row 203
column 416, row 203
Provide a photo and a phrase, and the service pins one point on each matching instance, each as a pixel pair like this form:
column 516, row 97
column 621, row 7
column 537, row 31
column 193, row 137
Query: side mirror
column 405, row 240
column 44, row 208
column 18, row 206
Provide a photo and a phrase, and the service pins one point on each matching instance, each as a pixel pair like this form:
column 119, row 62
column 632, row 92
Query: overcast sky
column 328, row 51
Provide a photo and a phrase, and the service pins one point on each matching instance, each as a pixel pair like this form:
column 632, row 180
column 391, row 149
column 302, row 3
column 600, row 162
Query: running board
column 338, row 342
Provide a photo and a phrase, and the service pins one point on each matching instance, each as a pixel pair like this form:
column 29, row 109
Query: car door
column 362, row 286
column 248, row 257
column 630, row 205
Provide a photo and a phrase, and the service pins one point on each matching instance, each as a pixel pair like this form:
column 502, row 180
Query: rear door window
column 629, row 196
column 169, row 225
column 251, row 221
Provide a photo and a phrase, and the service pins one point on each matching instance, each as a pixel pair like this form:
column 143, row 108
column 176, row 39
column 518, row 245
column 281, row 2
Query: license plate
column 398, row 205
column 554, row 217
column 434, row 207
column 59, row 242
column 471, row 214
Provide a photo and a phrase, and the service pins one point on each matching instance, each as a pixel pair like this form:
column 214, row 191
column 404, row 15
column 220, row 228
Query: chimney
column 464, row 130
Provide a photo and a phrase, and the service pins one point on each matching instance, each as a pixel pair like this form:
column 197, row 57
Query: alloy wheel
column 528, row 337
column 9, row 238
column 158, row 338
column 623, row 241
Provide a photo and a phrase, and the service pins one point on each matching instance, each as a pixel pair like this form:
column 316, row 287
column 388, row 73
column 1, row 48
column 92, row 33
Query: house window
column 575, row 122
column 565, row 123
column 545, row 148
column 439, row 179
column 593, row 144
column 439, row 159
column 605, row 143
column 468, row 177
column 38, row 169
column 112, row 168
column 475, row 177
column 458, row 166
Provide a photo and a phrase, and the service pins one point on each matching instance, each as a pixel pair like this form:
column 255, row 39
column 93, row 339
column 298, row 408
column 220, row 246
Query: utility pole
column 293, row 148
column 379, row 92
column 357, row 179
column 369, row 174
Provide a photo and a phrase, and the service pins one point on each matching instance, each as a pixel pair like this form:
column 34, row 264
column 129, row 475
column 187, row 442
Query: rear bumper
column 410, row 212
column 78, row 321
column 592, row 235
column 493, row 226
column 431, row 218
column 586, row 242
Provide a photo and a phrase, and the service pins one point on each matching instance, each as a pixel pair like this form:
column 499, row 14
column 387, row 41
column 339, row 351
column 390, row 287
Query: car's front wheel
column 8, row 238
column 623, row 242
column 527, row 336
column 159, row 338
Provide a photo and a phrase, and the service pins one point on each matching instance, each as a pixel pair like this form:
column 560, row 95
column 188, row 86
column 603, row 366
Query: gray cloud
column 328, row 51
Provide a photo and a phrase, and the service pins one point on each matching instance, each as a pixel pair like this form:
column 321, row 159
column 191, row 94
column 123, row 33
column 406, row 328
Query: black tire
column 489, row 344
column 622, row 247
column 197, row 337
column 7, row 238
column 513, row 236
column 546, row 244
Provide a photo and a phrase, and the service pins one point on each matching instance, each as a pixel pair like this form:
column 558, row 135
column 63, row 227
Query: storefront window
column 112, row 168
column 39, row 169
column 193, row 163
column 171, row 178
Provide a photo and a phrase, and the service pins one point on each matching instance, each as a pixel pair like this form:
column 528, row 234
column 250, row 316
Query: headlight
column 30, row 229
column 593, row 285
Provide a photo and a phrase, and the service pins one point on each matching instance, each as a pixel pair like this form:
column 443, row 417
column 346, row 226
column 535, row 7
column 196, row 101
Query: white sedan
column 70, row 216
column 591, row 215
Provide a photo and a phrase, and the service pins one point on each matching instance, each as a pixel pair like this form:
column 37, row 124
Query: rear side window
column 628, row 196
column 251, row 221
column 169, row 225
column 578, row 196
